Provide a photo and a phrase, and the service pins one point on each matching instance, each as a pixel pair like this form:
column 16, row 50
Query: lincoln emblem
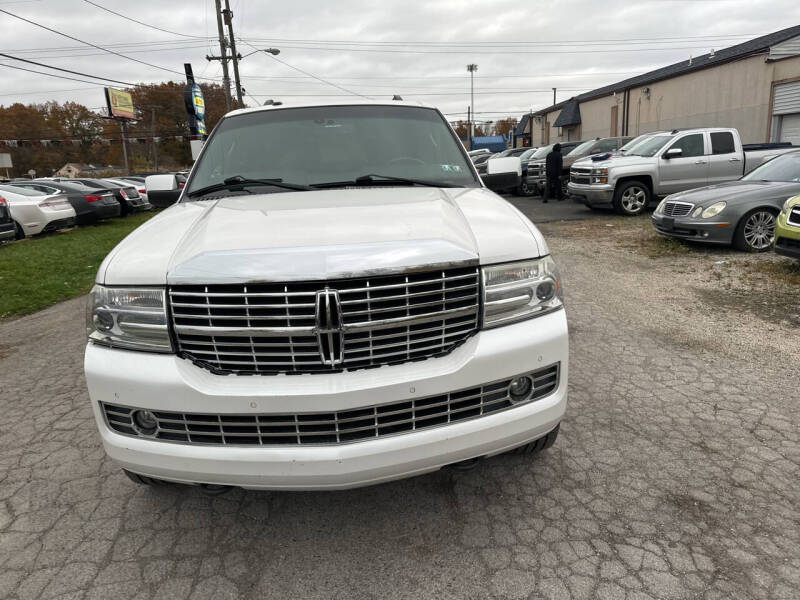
column 329, row 327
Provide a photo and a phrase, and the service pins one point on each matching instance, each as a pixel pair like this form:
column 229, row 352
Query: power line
column 299, row 70
column 83, row 54
column 32, row 93
column 48, row 74
column 88, row 43
column 108, row 10
column 38, row 64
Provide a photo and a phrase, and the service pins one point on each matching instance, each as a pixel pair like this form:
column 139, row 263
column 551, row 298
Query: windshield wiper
column 237, row 181
column 372, row 178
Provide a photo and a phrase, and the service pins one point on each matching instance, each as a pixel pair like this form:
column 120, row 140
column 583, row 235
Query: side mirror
column 502, row 173
column 162, row 190
column 160, row 183
column 673, row 153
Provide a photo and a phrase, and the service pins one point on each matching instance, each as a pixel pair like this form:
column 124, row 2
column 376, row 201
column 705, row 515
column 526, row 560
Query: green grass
column 38, row 272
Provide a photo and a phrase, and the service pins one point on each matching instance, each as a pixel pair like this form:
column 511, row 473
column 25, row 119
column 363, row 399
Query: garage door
column 786, row 113
column 790, row 129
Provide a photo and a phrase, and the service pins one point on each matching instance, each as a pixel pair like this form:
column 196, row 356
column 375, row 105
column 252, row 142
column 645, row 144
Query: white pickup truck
column 665, row 163
column 336, row 300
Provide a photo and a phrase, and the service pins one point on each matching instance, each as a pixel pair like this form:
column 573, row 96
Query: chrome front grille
column 677, row 209
column 333, row 427
column 269, row 328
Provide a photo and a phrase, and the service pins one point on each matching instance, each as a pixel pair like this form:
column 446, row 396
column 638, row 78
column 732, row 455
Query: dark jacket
column 554, row 162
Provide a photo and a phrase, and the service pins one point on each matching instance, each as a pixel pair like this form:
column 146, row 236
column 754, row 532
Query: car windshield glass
column 21, row 190
column 635, row 142
column 582, row 148
column 543, row 151
column 527, row 154
column 326, row 144
column 650, row 146
column 781, row 168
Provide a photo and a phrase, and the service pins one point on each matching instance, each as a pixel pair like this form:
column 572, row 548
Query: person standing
column 553, row 164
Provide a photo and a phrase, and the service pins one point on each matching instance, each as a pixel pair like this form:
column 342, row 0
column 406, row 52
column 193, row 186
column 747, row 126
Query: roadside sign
column 5, row 161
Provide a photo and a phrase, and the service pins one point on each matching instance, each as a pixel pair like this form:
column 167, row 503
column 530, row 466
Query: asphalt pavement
column 554, row 210
column 676, row 475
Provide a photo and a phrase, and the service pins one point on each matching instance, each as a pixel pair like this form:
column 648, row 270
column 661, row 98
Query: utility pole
column 471, row 68
column 530, row 127
column 123, row 129
column 234, row 56
column 223, row 57
column 153, row 135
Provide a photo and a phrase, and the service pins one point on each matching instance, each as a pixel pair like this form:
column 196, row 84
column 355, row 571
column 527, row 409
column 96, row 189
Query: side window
column 691, row 145
column 722, row 143
column 605, row 145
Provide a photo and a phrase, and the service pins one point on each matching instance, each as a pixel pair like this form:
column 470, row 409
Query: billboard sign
column 120, row 104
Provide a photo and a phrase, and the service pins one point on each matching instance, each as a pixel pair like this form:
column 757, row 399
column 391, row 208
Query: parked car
column 137, row 199
column 473, row 153
column 125, row 193
column 590, row 148
column 90, row 206
column 423, row 311
column 664, row 164
column 524, row 189
column 536, row 178
column 787, row 231
column 740, row 212
column 138, row 183
column 36, row 212
column 8, row 230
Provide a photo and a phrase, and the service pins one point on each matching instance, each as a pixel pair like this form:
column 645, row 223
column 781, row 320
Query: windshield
column 635, row 142
column 328, row 144
column 650, row 146
column 527, row 154
column 543, row 151
column 582, row 148
column 781, row 168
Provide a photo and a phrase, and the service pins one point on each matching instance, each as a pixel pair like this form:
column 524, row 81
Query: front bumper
column 787, row 237
column 696, row 230
column 168, row 383
column 592, row 195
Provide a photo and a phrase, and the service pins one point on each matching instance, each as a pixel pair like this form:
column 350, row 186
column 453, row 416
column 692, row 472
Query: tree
column 503, row 126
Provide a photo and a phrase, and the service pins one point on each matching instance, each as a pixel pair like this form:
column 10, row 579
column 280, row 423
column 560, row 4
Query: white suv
column 336, row 300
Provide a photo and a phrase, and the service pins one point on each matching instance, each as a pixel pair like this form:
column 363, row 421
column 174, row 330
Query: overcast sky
column 418, row 49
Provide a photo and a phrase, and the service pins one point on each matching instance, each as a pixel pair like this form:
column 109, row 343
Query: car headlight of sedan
column 660, row 208
column 520, row 290
column 714, row 210
column 785, row 209
column 130, row 318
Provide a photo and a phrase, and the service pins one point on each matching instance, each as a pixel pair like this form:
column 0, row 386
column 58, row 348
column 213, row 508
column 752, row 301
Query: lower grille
column 677, row 209
column 334, row 427
column 788, row 243
column 575, row 179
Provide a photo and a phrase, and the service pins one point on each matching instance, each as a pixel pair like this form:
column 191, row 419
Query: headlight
column 132, row 318
column 660, row 208
column 785, row 209
column 600, row 175
column 603, row 171
column 714, row 210
column 697, row 212
column 520, row 290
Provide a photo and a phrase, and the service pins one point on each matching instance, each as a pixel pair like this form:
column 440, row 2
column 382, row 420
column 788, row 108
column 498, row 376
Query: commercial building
column 753, row 86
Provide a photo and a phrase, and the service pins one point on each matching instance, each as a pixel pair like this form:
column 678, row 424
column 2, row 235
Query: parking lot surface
column 675, row 475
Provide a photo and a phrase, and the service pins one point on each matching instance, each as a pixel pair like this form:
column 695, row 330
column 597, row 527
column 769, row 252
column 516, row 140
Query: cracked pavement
column 675, row 476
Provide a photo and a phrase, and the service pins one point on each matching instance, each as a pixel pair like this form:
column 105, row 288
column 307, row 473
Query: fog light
column 546, row 290
column 520, row 389
column 103, row 320
column 144, row 422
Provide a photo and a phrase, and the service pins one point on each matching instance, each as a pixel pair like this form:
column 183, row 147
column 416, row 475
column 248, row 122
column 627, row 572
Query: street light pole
column 226, row 80
column 471, row 68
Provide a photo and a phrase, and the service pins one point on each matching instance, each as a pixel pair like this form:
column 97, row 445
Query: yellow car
column 787, row 229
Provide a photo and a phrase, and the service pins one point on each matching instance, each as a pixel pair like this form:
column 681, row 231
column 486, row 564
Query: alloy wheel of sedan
column 759, row 230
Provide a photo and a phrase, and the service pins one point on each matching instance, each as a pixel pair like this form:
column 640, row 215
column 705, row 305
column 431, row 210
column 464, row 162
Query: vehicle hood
column 612, row 161
column 327, row 234
column 739, row 192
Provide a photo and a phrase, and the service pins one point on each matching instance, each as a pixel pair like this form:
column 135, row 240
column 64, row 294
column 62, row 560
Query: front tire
column 536, row 446
column 631, row 198
column 756, row 231
column 525, row 190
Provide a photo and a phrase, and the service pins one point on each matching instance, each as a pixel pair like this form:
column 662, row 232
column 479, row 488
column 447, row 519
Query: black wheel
column 564, row 188
column 525, row 190
column 631, row 198
column 144, row 479
column 19, row 234
column 543, row 443
column 756, row 230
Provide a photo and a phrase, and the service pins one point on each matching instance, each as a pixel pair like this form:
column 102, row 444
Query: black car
column 90, row 205
column 127, row 195
column 7, row 231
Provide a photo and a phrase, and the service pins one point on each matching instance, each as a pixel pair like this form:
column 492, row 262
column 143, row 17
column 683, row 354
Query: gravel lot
column 676, row 474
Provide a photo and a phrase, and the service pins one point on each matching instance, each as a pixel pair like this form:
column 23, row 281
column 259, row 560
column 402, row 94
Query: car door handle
column 699, row 162
column 734, row 159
